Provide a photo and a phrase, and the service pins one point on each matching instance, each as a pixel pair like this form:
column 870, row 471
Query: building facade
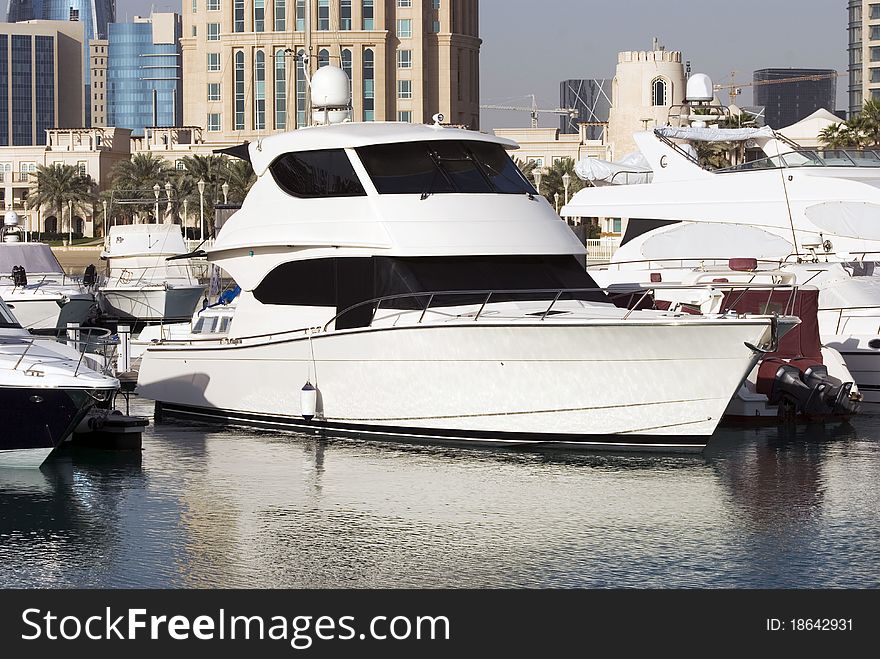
column 246, row 62
column 591, row 99
column 41, row 79
column 98, row 76
column 141, row 83
column 94, row 15
column 646, row 85
column 798, row 94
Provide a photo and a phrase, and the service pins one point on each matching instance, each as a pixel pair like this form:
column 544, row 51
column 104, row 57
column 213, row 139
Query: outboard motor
column 19, row 276
column 90, row 276
column 804, row 386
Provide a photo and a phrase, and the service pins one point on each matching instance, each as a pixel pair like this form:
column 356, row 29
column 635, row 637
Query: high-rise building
column 95, row 16
column 797, row 94
column 137, row 82
column 407, row 60
column 40, row 80
column 591, row 99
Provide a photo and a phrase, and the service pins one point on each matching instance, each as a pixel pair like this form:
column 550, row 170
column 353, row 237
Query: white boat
column 33, row 284
column 407, row 280
column 142, row 285
column 811, row 213
column 46, row 389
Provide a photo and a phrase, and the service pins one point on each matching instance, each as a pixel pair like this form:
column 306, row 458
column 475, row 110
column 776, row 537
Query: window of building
column 327, row 173
column 347, row 65
column 213, row 122
column 280, row 90
column 213, row 31
column 194, row 31
column 404, row 59
column 180, row 165
column 213, row 61
column 213, row 91
column 435, row 27
column 875, row 33
column 404, row 28
column 615, row 225
column 280, row 15
column 195, row 6
column 405, row 116
column 300, row 15
column 367, row 15
column 344, row 14
column 875, row 53
column 436, row 4
column 658, row 92
column 404, row 3
column 369, row 85
column 874, row 10
column 323, row 14
column 213, row 5
column 404, row 89
column 239, row 90
column 259, row 15
column 81, row 168
column 238, row 16
column 260, row 90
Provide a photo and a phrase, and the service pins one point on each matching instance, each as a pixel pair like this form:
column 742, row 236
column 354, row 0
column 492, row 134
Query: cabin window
column 443, row 166
column 317, row 174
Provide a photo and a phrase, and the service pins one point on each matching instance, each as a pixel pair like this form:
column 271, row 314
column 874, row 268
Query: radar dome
column 699, row 88
column 330, row 88
column 10, row 219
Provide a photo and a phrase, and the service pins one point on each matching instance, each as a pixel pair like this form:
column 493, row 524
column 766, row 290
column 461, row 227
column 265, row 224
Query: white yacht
column 46, row 389
column 811, row 213
column 142, row 285
column 34, row 285
column 407, row 280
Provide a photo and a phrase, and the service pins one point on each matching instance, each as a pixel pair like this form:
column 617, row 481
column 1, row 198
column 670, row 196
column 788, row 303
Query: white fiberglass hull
column 602, row 385
column 151, row 303
column 49, row 313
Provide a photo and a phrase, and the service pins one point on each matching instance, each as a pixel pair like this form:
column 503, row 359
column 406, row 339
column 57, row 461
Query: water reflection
column 234, row 508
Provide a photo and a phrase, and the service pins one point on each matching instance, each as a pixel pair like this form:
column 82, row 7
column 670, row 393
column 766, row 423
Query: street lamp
column 69, row 221
column 104, row 203
column 156, row 189
column 566, row 181
column 225, row 188
column 536, row 174
column 185, row 221
column 169, row 210
column 201, row 187
column 556, row 199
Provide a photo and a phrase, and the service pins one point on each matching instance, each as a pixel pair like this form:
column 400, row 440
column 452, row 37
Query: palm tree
column 552, row 181
column 868, row 123
column 240, row 176
column 57, row 186
column 134, row 179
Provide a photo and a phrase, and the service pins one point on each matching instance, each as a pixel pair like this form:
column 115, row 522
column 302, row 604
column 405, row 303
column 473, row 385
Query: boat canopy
column 853, row 219
column 37, row 258
column 630, row 169
column 715, row 134
column 714, row 241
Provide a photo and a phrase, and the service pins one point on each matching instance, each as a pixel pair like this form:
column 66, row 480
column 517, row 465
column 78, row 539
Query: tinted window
column 442, row 166
column 317, row 174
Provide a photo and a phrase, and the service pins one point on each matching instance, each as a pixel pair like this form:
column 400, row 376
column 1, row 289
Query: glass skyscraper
column 143, row 73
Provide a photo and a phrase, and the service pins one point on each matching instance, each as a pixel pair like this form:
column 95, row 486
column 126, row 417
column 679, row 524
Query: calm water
column 205, row 508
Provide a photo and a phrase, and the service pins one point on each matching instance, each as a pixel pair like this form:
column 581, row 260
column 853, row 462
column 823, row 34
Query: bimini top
column 143, row 240
column 352, row 135
column 37, row 258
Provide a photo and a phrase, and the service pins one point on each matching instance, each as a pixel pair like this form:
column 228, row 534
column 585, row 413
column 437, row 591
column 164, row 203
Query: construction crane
column 534, row 110
column 734, row 89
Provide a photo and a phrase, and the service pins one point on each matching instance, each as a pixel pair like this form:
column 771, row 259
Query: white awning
column 715, row 134
column 853, row 219
column 630, row 169
column 703, row 240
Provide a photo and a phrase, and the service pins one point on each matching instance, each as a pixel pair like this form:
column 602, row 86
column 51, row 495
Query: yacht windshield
column 6, row 317
column 443, row 166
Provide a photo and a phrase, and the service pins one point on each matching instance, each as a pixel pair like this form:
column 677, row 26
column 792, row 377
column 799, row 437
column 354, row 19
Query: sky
column 529, row 47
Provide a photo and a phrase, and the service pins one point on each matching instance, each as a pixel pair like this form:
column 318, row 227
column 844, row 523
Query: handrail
column 676, row 147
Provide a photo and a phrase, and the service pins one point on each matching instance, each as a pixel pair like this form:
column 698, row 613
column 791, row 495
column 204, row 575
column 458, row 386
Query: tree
column 214, row 170
column 133, row 180
column 840, row 136
column 56, row 186
column 240, row 176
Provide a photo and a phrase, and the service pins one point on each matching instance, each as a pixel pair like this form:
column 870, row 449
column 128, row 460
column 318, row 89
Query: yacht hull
column 623, row 385
column 40, row 419
column 50, row 313
column 863, row 362
column 151, row 303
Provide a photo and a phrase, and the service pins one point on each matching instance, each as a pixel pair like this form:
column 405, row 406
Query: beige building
column 864, row 53
column 41, row 80
column 407, row 60
column 646, row 85
column 94, row 151
column 545, row 146
column 98, row 67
